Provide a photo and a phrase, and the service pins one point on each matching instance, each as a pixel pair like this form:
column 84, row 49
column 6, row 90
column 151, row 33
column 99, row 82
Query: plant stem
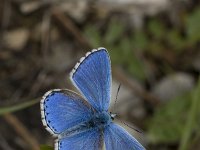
column 17, row 107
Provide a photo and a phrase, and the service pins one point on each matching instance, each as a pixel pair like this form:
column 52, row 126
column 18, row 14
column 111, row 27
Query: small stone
column 16, row 39
column 173, row 85
column 30, row 6
column 76, row 9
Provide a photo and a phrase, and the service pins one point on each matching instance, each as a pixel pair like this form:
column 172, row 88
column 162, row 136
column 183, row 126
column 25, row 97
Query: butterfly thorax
column 100, row 120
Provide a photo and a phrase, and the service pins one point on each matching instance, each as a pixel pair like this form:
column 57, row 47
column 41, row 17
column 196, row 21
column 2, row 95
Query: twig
column 22, row 131
column 45, row 37
column 4, row 144
column 7, row 11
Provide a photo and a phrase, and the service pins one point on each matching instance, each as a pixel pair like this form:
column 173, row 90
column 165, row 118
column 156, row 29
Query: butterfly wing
column 117, row 138
column 88, row 140
column 92, row 76
column 62, row 109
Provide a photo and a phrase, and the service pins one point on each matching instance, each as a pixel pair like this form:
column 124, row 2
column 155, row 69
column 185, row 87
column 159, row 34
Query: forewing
column 88, row 140
column 92, row 76
column 117, row 138
column 62, row 109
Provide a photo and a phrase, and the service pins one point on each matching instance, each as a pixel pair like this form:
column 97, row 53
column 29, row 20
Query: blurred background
column 155, row 52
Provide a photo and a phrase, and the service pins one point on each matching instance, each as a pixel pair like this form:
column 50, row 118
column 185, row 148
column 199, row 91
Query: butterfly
column 83, row 122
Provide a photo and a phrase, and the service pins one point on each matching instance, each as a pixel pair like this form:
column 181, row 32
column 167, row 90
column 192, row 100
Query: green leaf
column 192, row 120
column 93, row 35
column 136, row 68
column 46, row 147
column 157, row 29
column 126, row 49
column 178, row 119
column 115, row 54
column 114, row 31
column 135, row 65
column 140, row 40
column 167, row 124
column 155, row 48
column 175, row 40
column 192, row 26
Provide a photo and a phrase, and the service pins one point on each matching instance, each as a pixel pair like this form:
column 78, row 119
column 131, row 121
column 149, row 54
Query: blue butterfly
column 84, row 123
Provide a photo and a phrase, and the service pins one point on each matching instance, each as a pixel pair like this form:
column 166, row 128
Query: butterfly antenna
column 117, row 96
column 137, row 130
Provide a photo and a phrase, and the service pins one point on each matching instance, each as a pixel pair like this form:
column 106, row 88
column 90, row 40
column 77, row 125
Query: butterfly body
column 98, row 121
column 82, row 122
